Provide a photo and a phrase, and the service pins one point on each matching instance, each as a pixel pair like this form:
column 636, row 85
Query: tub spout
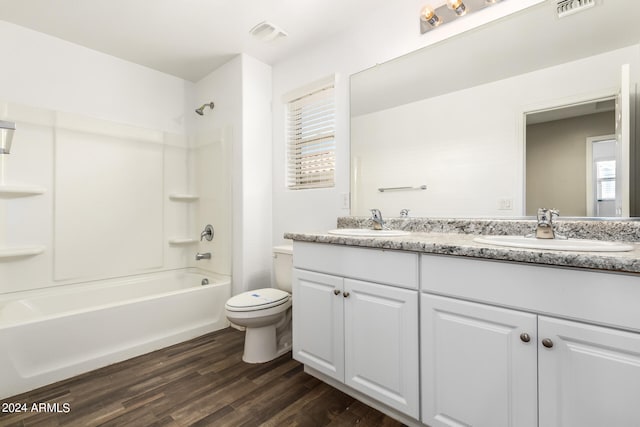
column 206, row 255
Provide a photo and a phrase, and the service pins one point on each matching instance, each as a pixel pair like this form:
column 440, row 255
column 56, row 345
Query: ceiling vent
column 267, row 32
column 569, row 7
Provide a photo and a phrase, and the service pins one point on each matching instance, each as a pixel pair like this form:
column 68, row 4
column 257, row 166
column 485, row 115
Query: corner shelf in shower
column 20, row 190
column 179, row 197
column 21, row 251
column 185, row 241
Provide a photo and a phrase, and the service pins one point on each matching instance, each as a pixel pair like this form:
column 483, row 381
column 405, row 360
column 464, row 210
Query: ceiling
column 186, row 38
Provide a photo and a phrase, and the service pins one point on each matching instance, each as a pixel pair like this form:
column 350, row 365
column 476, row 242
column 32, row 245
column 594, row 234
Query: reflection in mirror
column 564, row 147
column 453, row 116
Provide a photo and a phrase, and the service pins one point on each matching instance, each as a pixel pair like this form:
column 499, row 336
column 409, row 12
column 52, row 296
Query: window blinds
column 311, row 148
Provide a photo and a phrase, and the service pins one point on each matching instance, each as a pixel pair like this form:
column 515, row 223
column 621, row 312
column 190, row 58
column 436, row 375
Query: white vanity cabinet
column 589, row 377
column 508, row 358
column 318, row 322
column 355, row 319
column 476, row 370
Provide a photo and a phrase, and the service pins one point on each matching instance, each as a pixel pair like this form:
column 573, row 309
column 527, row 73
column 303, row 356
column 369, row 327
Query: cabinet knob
column 547, row 343
column 525, row 337
column 346, row 294
column 336, row 291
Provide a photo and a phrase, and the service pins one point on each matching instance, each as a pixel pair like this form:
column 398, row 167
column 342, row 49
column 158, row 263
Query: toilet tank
column 282, row 266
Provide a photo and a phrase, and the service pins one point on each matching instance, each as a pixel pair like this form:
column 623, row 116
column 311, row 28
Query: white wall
column 46, row 72
column 255, row 228
column 381, row 35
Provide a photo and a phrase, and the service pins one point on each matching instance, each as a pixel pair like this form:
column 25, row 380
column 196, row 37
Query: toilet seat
column 259, row 299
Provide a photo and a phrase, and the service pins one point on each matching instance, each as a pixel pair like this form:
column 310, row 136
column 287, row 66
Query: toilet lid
column 260, row 299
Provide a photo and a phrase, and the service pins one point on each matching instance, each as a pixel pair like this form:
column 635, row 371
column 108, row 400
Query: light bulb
column 429, row 16
column 457, row 6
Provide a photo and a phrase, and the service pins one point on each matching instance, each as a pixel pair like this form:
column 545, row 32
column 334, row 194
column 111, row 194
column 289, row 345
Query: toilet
column 266, row 313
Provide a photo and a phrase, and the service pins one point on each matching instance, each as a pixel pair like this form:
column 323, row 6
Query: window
column 606, row 180
column 311, row 148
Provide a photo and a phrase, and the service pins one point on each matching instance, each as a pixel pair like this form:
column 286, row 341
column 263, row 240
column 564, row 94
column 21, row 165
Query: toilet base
column 261, row 345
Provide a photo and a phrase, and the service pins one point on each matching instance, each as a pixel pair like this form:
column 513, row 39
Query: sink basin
column 555, row 244
column 365, row 232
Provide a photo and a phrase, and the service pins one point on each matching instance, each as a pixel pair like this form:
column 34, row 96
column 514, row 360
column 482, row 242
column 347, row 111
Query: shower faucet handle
column 207, row 233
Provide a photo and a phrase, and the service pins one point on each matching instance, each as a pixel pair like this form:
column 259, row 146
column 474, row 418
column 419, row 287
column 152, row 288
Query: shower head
column 200, row 110
column 6, row 136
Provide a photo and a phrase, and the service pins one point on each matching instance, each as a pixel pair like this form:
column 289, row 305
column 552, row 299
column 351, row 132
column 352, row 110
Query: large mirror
column 479, row 125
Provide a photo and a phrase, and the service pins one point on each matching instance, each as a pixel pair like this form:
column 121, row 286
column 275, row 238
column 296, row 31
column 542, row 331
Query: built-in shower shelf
column 179, row 197
column 19, row 190
column 184, row 241
column 21, row 251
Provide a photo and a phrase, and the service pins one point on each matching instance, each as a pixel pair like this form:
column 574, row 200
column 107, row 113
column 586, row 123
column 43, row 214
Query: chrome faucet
column 207, row 233
column 546, row 228
column 206, row 255
column 376, row 218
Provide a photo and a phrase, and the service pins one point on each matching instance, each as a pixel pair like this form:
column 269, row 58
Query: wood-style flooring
column 202, row 382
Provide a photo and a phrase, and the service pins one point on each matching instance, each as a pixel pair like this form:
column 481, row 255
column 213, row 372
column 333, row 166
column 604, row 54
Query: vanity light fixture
column 449, row 11
column 457, row 6
column 429, row 16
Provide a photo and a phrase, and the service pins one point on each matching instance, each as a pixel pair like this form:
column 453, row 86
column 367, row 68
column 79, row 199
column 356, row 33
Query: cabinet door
column 381, row 343
column 476, row 368
column 318, row 327
column 589, row 377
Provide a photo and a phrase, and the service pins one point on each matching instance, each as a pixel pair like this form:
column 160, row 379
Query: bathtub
column 55, row 334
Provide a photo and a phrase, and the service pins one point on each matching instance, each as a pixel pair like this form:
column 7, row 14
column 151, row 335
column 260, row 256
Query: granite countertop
column 455, row 237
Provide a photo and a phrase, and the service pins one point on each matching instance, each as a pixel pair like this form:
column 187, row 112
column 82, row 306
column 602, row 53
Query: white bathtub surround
column 54, row 334
column 105, row 211
column 107, row 199
column 210, row 169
